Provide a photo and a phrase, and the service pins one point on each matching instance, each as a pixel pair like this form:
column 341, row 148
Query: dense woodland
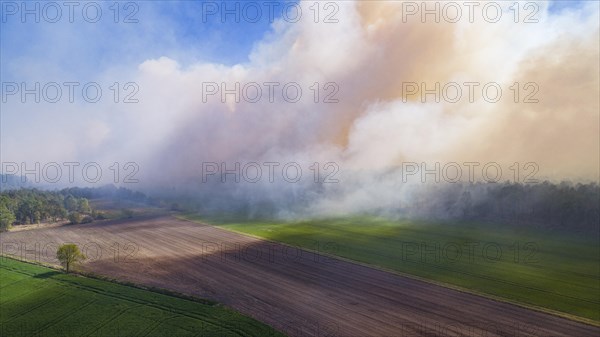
column 573, row 207
column 107, row 191
column 564, row 206
column 28, row 206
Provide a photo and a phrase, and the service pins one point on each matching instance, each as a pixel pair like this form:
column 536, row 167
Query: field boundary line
column 414, row 277
column 495, row 279
column 139, row 301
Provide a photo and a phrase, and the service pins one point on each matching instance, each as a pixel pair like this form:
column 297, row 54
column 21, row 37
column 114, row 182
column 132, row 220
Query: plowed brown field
column 296, row 291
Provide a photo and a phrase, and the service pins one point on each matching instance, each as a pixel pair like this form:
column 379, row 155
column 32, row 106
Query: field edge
column 411, row 276
column 161, row 291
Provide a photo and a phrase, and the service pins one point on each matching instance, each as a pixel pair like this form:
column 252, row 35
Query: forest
column 562, row 206
column 29, row 206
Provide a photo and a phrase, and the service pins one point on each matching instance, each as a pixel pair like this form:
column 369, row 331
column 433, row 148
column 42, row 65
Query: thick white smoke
column 369, row 58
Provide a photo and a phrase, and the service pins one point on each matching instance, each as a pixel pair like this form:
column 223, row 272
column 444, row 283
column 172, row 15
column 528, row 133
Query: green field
column 39, row 301
column 545, row 269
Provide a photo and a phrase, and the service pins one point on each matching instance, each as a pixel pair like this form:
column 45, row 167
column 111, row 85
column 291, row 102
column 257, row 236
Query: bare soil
column 299, row 292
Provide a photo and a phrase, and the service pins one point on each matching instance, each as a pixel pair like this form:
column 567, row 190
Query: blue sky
column 182, row 30
column 557, row 6
column 225, row 41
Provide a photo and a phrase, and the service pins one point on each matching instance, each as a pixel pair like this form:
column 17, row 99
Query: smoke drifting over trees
column 377, row 62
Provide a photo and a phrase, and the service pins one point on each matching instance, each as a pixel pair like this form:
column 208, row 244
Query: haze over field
column 369, row 55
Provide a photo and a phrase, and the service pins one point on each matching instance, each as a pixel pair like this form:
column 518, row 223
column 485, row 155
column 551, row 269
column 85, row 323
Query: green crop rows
column 39, row 301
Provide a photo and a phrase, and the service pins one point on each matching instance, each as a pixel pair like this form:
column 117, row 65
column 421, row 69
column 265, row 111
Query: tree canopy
column 69, row 255
column 28, row 206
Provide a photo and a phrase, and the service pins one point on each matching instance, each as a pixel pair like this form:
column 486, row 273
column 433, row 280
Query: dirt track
column 298, row 292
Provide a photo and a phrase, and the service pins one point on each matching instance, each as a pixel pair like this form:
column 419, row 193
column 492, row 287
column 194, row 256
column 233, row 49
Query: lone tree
column 68, row 255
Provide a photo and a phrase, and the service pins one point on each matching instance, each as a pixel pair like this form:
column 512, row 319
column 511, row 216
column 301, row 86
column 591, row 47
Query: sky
column 364, row 57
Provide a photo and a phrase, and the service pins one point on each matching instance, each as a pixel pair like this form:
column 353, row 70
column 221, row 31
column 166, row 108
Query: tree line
column 562, row 206
column 108, row 191
column 29, row 206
